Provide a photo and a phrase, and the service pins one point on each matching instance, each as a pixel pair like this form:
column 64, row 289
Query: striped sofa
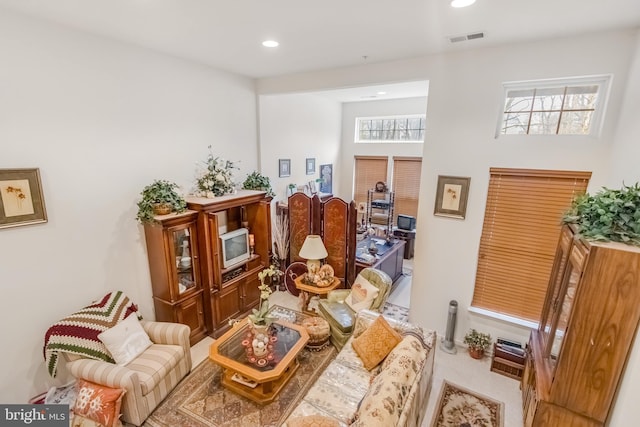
column 148, row 378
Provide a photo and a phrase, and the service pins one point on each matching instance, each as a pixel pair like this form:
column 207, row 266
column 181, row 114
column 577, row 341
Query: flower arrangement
column 259, row 316
column 215, row 176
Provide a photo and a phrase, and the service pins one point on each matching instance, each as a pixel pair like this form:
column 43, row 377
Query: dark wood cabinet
column 174, row 264
column 576, row 358
column 189, row 281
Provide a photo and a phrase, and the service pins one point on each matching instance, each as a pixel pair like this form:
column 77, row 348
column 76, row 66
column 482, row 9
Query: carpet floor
column 460, row 407
column 396, row 312
column 200, row 399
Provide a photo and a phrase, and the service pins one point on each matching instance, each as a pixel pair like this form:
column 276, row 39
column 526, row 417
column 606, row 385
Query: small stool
column 319, row 332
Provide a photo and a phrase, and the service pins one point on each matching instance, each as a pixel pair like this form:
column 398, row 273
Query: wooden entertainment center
column 189, row 282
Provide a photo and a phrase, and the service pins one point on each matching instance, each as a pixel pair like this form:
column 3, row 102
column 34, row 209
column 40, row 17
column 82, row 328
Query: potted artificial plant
column 609, row 215
column 160, row 198
column 477, row 342
column 256, row 181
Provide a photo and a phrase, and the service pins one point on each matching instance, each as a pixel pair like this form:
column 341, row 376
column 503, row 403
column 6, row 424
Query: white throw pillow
column 125, row 341
column 362, row 294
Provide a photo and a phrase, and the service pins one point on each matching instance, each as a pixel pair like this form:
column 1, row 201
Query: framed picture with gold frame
column 21, row 198
column 451, row 196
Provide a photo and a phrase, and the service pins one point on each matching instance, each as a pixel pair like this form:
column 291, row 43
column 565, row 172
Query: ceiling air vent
column 465, row 37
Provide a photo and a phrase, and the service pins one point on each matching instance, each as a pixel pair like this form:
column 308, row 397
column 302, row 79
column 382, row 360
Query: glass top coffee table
column 259, row 377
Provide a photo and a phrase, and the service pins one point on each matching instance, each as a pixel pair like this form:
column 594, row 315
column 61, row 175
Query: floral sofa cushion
column 340, row 390
column 383, row 403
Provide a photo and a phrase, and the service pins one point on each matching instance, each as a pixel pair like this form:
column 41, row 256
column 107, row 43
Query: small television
column 235, row 247
column 406, row 222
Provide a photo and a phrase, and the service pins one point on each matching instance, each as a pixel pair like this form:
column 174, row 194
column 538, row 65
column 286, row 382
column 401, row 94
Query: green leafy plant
column 256, row 181
column 159, row 192
column 609, row 215
column 477, row 340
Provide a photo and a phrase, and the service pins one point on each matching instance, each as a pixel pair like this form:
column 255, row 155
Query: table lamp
column 313, row 250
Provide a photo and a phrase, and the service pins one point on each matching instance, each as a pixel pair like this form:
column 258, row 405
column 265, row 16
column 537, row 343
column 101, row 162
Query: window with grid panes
column 406, row 185
column 367, row 171
column 554, row 107
column 408, row 128
column 522, row 223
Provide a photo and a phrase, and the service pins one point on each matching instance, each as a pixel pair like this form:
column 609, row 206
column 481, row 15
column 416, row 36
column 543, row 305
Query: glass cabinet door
column 183, row 243
column 555, row 284
column 564, row 304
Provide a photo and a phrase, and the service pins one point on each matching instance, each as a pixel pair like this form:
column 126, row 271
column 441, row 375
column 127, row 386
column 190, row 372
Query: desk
column 388, row 259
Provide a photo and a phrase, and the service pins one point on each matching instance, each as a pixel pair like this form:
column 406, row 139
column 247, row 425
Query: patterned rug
column 459, row 407
column 396, row 312
column 201, row 400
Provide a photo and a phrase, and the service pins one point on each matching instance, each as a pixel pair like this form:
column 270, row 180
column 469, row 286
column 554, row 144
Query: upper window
column 554, row 107
column 390, row 129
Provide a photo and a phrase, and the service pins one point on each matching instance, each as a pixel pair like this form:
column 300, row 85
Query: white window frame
column 603, row 81
column 357, row 139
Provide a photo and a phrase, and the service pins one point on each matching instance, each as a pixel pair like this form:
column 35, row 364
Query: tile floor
column 459, row 368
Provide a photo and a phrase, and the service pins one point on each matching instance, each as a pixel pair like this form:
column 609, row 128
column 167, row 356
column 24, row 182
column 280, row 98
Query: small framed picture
column 284, row 167
column 21, row 198
column 311, row 166
column 326, row 174
column 451, row 196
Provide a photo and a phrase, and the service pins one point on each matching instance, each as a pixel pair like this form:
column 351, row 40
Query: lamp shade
column 313, row 248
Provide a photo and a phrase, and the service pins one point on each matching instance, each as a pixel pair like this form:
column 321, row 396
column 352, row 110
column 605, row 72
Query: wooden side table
column 306, row 291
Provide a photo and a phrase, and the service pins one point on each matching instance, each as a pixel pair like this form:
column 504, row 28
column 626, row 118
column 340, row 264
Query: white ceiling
column 227, row 34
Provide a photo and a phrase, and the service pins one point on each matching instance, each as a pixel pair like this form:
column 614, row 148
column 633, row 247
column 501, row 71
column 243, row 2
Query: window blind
column 521, row 228
column 368, row 170
column 406, row 185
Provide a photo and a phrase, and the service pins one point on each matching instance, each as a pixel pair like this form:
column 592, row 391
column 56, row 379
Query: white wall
column 101, row 120
column 625, row 167
column 465, row 96
column 349, row 149
column 297, row 127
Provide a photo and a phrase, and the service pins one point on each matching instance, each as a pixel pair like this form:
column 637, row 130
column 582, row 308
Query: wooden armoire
column 577, row 356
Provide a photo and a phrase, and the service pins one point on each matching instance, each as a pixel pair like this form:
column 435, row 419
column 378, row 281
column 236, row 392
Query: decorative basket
column 162, row 209
column 318, row 330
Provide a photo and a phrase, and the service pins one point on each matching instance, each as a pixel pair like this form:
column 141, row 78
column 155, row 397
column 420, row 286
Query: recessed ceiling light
column 462, row 3
column 382, row 93
column 270, row 43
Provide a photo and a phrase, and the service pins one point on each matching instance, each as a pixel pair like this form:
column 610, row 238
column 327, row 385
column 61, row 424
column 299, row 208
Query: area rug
column 396, row 312
column 201, row 400
column 459, row 407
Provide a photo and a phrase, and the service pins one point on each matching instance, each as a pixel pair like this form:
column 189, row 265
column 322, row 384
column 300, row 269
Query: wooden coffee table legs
column 263, row 392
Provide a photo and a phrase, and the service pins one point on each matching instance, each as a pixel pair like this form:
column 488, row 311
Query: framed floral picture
column 21, row 198
column 451, row 196
column 284, row 168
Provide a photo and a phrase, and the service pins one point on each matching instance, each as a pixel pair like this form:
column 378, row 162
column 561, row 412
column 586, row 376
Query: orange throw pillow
column 376, row 342
column 98, row 403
